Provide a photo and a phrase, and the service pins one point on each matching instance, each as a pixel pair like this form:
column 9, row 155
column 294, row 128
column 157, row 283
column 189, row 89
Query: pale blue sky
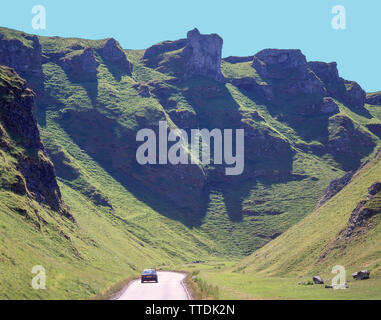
column 246, row 26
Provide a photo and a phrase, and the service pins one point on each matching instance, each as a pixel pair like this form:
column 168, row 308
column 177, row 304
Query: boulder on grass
column 317, row 280
column 361, row 275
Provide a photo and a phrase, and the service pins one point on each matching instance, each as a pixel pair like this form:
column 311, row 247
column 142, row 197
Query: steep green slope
column 344, row 231
column 323, row 239
column 84, row 250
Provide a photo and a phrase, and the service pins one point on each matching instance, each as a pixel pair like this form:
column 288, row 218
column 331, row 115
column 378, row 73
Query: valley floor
column 223, row 282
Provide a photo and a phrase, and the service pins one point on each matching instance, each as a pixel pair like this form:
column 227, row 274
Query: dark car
column 149, row 275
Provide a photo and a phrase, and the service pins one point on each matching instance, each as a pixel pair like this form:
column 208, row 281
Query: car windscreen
column 149, row 272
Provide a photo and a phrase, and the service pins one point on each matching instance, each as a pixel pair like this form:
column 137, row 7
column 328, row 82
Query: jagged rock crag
column 334, row 187
column 200, row 54
column 24, row 56
column 365, row 209
column 36, row 175
column 80, row 64
column 203, row 55
column 112, row 52
column 349, row 92
column 291, row 79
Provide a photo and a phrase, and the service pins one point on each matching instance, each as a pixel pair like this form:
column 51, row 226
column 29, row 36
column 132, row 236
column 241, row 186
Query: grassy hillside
column 226, row 215
column 104, row 244
column 312, row 247
column 92, row 97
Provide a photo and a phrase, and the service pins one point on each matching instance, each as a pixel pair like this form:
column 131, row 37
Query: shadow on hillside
column 117, row 71
column 88, row 81
column 215, row 107
column 316, row 128
column 360, row 111
column 237, row 195
column 114, row 148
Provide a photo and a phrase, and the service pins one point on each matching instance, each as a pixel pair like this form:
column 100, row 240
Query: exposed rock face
column 25, row 57
column 203, row 55
column 234, row 59
column 112, row 52
column 199, row 55
column 374, row 98
column 365, row 209
column 280, row 64
column 327, row 72
column 38, row 178
column 334, row 187
column 349, row 92
column 17, row 115
column 373, row 190
column 308, row 86
column 355, row 95
column 291, row 79
column 80, row 63
column 329, row 106
column 26, row 60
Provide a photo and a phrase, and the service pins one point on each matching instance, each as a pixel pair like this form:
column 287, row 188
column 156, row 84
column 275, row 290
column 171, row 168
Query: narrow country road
column 169, row 287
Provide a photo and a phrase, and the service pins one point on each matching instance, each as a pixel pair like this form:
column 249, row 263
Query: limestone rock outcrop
column 80, row 63
column 24, row 56
column 37, row 177
column 348, row 92
column 199, row 55
column 289, row 65
column 365, row 209
column 113, row 53
column 203, row 55
column 329, row 105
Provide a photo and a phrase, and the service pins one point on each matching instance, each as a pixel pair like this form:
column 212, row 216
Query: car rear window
column 149, row 271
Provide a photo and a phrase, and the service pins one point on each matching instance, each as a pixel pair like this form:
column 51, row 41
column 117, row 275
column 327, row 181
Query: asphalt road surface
column 169, row 287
